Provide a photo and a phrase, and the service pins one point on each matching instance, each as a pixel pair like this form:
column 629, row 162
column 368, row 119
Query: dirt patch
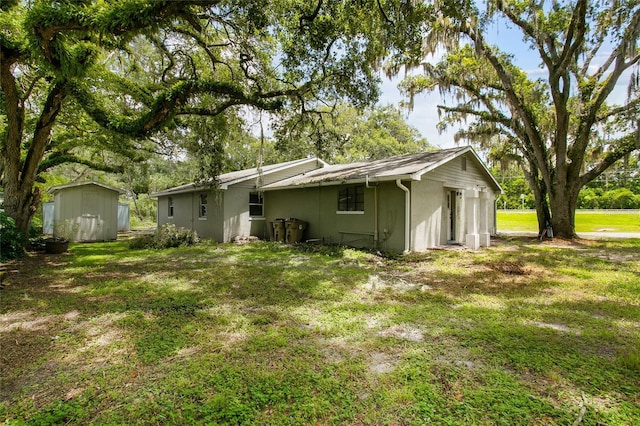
column 381, row 363
column 403, row 332
column 509, row 267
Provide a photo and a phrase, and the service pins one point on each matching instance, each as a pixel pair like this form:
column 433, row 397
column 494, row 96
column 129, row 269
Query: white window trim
column 350, row 212
column 201, row 204
column 261, row 217
column 170, row 206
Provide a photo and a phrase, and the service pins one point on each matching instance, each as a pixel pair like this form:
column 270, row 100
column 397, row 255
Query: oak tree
column 139, row 67
column 550, row 124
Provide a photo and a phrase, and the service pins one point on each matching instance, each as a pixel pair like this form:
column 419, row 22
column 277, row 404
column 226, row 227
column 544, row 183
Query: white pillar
column 485, row 235
column 472, row 206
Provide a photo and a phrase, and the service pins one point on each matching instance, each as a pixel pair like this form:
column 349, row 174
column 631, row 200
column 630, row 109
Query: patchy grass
column 523, row 333
column 586, row 221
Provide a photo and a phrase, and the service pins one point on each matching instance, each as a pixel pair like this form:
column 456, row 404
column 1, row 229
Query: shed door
column 89, row 221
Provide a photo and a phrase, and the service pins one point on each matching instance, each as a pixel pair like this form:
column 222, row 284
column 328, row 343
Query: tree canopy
column 344, row 134
column 139, row 67
column 548, row 125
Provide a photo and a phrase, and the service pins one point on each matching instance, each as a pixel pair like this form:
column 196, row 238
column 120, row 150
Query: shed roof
column 57, row 188
column 228, row 179
column 408, row 167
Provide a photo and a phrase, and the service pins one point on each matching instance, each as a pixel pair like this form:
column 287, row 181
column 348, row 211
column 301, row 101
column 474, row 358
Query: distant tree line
column 613, row 191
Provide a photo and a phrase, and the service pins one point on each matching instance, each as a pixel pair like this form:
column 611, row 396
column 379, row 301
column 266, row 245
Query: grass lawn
column 522, row 333
column 586, row 221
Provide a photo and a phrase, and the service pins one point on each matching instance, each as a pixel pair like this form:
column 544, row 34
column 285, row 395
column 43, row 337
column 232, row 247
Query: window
column 203, row 206
column 256, row 204
column 464, row 164
column 351, row 199
column 170, row 209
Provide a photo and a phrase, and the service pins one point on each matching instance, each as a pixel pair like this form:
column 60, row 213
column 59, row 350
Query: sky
column 424, row 115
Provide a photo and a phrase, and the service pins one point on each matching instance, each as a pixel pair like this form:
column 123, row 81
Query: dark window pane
column 255, row 209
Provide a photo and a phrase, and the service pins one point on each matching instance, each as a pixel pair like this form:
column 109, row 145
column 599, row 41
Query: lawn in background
column 522, row 333
column 586, row 221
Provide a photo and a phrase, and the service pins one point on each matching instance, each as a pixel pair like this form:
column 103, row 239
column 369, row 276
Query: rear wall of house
column 318, row 206
column 186, row 209
column 238, row 222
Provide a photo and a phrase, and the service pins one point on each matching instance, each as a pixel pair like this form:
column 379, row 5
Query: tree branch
column 625, row 145
column 310, row 18
column 66, row 158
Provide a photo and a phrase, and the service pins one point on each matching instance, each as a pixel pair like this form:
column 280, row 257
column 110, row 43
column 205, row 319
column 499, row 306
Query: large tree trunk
column 21, row 205
column 563, row 211
column 539, row 190
column 19, row 174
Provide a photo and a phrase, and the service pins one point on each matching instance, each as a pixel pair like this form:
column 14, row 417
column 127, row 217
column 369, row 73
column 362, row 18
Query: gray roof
column 57, row 188
column 408, row 167
column 231, row 178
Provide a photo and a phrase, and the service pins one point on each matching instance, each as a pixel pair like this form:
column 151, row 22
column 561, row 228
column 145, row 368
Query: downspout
column 407, row 215
column 375, row 211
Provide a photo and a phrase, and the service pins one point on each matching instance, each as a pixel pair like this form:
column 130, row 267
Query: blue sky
column 424, row 115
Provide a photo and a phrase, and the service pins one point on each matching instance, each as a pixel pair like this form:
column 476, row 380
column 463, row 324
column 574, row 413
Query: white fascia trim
column 418, row 175
column 279, row 169
column 340, row 182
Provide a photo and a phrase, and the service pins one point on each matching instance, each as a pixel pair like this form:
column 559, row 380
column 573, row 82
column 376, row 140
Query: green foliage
column 513, row 189
column 596, row 198
column 346, row 134
column 12, row 240
column 167, row 236
column 95, row 82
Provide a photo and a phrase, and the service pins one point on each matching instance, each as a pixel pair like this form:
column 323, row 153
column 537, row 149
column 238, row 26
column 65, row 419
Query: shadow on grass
column 269, row 334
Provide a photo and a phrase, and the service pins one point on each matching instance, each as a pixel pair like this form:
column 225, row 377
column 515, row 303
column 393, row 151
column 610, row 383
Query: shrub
column 166, row 236
column 589, row 198
column 12, row 240
column 621, row 198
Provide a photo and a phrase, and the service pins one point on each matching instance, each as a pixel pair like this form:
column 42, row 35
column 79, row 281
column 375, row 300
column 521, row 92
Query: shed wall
column 87, row 213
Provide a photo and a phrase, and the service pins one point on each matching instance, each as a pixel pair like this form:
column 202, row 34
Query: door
column 451, row 216
column 89, row 221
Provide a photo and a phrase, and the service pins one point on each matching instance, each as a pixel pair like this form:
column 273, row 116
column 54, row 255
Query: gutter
column 407, row 215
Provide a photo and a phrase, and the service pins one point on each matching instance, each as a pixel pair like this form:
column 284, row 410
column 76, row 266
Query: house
column 235, row 208
column 84, row 211
column 403, row 203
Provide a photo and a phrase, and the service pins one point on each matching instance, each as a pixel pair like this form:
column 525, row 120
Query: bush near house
column 12, row 241
column 167, row 236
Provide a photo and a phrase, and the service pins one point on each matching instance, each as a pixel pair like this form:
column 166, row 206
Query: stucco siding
column 318, row 206
column 186, row 213
column 238, row 222
column 391, row 216
column 428, row 214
